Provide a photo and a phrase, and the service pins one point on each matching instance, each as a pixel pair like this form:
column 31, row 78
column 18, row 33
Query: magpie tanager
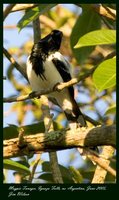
column 46, row 67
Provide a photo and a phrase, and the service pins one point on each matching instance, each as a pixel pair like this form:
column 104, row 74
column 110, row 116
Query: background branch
column 103, row 11
column 34, row 168
column 13, row 61
column 102, row 161
column 8, row 10
column 19, row 7
column 37, row 32
column 56, row 173
column 103, row 165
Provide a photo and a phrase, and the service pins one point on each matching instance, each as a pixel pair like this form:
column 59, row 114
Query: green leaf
column 64, row 171
column 86, row 22
column 32, row 14
column 76, row 175
column 111, row 110
column 10, row 164
column 46, row 177
column 13, row 131
column 105, row 75
column 99, row 37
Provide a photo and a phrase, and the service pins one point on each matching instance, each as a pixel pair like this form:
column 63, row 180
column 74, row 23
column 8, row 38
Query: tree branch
column 20, row 7
column 104, row 11
column 37, row 31
column 59, row 140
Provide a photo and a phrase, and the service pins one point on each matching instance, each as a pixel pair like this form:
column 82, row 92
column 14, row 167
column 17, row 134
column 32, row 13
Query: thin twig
column 102, row 161
column 20, row 7
column 103, row 165
column 14, row 26
column 107, row 23
column 13, row 61
column 58, row 88
column 8, row 10
column 34, row 168
column 92, row 121
column 103, row 11
column 21, row 141
column 110, row 11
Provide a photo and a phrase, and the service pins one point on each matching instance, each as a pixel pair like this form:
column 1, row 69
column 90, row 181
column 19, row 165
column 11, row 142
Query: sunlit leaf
column 99, row 37
column 88, row 21
column 10, row 164
column 111, row 110
column 76, row 175
column 32, row 14
column 105, row 75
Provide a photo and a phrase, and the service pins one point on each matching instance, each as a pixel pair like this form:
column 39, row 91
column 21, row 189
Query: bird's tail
column 75, row 115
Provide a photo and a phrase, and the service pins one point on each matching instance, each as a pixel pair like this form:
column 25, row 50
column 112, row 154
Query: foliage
column 88, row 21
column 91, row 42
column 107, row 71
column 32, row 14
column 10, row 164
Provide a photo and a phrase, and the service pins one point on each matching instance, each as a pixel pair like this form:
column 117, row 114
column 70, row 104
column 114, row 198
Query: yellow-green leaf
column 105, row 75
column 86, row 22
column 98, row 37
column 111, row 110
column 10, row 164
column 32, row 14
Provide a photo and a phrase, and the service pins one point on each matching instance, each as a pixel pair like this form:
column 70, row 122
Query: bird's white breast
column 52, row 78
column 50, row 72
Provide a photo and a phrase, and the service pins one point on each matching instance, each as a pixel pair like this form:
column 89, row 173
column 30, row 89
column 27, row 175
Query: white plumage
column 52, row 78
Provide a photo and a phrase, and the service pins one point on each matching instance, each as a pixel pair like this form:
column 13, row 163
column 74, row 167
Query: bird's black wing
column 63, row 69
column 75, row 115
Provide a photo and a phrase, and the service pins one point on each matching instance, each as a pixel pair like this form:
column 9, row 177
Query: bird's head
column 50, row 43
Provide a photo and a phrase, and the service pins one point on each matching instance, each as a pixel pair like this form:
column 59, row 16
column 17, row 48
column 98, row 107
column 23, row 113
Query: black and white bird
column 46, row 67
